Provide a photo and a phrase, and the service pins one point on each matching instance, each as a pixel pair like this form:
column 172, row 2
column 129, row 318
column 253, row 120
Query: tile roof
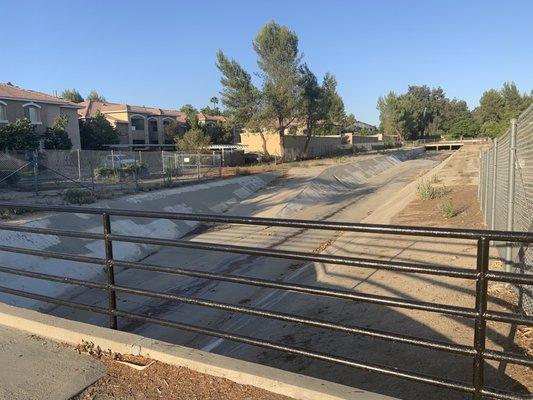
column 89, row 109
column 16, row 93
column 218, row 118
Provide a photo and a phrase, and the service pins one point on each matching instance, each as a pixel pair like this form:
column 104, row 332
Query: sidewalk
column 33, row 368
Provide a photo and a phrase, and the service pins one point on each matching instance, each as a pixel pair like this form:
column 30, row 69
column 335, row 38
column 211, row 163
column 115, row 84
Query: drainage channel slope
column 312, row 193
column 211, row 197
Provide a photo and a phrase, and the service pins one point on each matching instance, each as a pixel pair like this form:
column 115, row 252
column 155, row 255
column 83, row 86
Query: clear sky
column 162, row 53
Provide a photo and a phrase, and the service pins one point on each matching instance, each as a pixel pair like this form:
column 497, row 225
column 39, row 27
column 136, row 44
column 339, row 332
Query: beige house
column 140, row 125
column 40, row 108
column 137, row 125
column 211, row 120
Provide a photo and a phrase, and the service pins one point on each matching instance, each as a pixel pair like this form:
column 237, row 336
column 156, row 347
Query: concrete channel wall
column 212, row 197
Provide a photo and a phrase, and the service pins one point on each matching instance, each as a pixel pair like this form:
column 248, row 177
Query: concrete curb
column 242, row 372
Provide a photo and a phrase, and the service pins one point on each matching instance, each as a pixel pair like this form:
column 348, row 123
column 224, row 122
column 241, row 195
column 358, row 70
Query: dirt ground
column 138, row 378
column 468, row 215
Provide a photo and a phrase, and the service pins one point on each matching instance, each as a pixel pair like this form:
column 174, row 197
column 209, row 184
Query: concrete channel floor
column 37, row 369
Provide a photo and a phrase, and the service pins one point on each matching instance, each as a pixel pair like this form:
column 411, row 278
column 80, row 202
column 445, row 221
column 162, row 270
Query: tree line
column 289, row 93
column 424, row 111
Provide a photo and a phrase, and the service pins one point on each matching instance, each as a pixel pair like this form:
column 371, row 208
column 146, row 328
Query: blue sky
column 162, row 53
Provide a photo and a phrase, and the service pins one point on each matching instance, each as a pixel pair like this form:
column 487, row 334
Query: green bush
column 122, row 172
column 104, row 172
column 448, row 209
column 426, row 191
column 79, row 196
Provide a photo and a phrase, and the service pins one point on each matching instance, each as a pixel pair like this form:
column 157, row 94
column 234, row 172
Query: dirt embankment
column 458, row 181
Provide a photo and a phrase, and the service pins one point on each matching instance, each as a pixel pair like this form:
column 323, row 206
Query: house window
column 137, row 124
column 3, row 112
column 152, row 124
column 33, row 112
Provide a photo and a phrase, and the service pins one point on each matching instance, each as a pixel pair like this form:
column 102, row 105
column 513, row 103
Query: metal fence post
column 198, row 166
column 112, row 299
column 92, row 172
column 480, row 326
column 35, row 172
column 136, row 171
column 487, row 180
column 482, row 181
column 479, row 175
column 494, row 180
column 510, row 198
column 79, row 164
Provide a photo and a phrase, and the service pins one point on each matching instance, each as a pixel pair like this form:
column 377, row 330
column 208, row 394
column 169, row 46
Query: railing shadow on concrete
column 371, row 304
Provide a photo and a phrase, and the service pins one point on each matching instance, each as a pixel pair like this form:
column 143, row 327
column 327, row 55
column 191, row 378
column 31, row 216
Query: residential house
column 40, row 108
column 137, row 125
column 211, row 120
column 140, row 125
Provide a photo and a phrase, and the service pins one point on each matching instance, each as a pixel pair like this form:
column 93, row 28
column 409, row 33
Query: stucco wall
column 294, row 145
column 254, row 143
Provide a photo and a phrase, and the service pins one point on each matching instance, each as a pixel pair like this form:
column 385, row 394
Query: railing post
column 112, row 300
column 480, row 326
column 510, row 198
column 494, row 180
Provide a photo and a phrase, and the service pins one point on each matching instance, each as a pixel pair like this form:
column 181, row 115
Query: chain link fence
column 505, row 193
column 94, row 169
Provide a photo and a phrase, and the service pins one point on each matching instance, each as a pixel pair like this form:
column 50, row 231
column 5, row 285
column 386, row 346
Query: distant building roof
column 90, row 108
column 215, row 118
column 8, row 91
column 359, row 125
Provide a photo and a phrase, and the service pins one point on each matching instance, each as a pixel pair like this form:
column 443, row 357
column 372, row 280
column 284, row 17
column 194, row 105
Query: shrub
column 448, row 209
column 121, row 172
column 19, row 135
column 104, row 172
column 79, row 196
column 56, row 137
column 426, row 191
column 194, row 141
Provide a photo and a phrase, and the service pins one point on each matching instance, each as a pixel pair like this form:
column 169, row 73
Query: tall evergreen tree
column 278, row 59
column 72, row 95
column 311, row 104
column 94, row 96
column 332, row 106
column 239, row 96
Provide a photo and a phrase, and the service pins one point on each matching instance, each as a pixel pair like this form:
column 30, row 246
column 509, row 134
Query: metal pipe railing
column 480, row 314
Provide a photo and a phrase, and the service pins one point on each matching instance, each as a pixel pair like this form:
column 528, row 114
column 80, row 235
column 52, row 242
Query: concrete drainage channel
column 316, row 192
column 211, row 197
